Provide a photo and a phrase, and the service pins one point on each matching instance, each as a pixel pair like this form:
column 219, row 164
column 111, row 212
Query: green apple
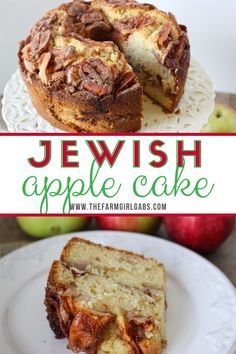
column 49, row 226
column 222, row 120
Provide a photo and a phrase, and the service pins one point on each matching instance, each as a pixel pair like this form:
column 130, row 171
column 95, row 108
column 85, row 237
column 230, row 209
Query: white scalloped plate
column 195, row 107
column 201, row 317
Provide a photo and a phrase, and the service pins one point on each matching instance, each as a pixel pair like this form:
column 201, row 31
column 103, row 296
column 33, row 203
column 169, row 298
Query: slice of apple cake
column 106, row 300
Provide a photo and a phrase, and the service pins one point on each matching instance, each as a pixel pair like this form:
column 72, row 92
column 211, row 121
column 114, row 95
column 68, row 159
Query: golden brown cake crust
column 74, row 240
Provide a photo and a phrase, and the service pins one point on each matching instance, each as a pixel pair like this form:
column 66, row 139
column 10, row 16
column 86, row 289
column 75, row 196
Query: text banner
column 148, row 174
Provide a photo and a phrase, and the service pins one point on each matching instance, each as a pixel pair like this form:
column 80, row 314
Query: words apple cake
column 107, row 301
column 86, row 64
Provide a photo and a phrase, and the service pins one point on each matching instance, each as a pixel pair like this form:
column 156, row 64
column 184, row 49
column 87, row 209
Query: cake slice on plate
column 106, row 300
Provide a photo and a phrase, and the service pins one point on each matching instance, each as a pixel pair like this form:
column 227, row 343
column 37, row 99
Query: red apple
column 203, row 234
column 143, row 224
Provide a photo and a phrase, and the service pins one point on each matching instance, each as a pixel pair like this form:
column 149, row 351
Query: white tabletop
column 211, row 23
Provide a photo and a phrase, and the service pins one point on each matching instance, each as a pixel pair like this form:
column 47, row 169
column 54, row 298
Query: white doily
column 195, row 107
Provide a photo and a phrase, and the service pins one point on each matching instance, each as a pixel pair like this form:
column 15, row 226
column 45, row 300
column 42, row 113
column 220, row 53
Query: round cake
column 87, row 64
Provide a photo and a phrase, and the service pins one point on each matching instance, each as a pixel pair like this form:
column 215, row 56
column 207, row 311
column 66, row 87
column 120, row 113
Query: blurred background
column 213, row 236
column 211, row 24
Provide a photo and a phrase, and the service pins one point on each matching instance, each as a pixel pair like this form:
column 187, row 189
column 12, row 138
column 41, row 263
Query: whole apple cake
column 86, row 64
column 107, row 301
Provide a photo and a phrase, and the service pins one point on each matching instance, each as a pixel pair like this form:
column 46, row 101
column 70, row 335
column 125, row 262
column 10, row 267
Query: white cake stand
column 195, row 107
